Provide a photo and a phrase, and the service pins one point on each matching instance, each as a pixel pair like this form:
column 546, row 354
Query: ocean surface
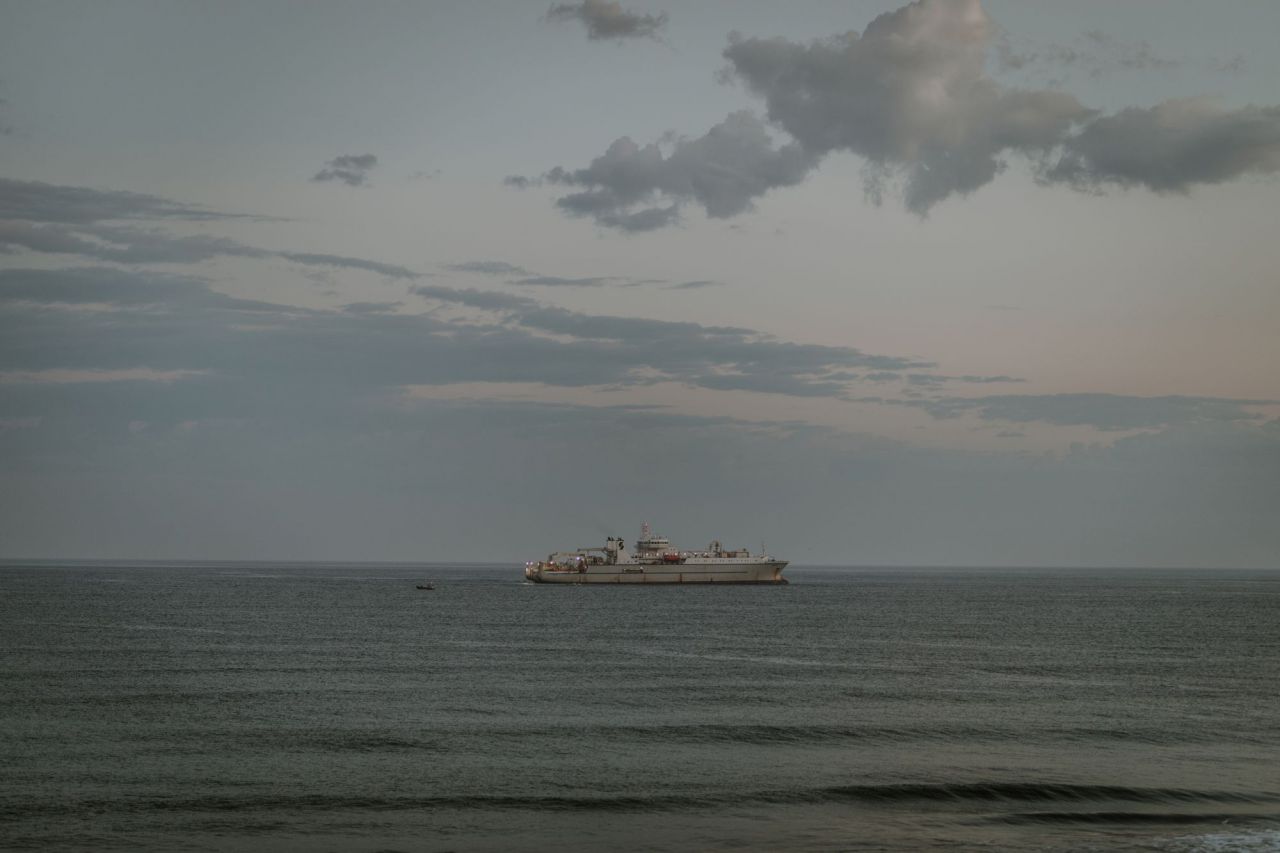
column 335, row 707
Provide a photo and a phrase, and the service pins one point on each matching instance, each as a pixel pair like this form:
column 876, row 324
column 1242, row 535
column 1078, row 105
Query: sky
column 945, row 283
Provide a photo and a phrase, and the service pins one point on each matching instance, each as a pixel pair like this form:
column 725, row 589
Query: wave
column 868, row 794
column 1131, row 817
column 1022, row 792
column 444, row 740
column 1262, row 841
column 766, row 734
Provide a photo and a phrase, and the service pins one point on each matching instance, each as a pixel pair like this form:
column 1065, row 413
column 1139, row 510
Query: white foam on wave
column 1256, row 841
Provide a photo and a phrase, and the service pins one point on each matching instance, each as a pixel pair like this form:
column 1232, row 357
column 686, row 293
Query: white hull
column 720, row 571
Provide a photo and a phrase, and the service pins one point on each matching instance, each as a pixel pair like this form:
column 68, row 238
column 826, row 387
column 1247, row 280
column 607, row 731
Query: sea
column 336, row 707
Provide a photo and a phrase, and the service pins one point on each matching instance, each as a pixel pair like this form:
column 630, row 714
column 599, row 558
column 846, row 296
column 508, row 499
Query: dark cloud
column 1101, row 411
column 488, row 268
column 351, row 169
column 639, row 188
column 79, row 221
column 608, row 20
column 1172, row 146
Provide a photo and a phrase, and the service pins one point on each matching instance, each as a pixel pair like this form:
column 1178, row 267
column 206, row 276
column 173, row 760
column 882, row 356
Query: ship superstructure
column 655, row 560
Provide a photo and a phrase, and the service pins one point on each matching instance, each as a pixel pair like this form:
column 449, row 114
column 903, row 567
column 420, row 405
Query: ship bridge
column 649, row 543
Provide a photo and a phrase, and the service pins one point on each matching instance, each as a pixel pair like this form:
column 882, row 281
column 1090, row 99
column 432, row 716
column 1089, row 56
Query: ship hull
column 663, row 573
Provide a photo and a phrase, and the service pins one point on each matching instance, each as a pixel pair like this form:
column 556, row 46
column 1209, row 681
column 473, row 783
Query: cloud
column 527, row 278
column 910, row 95
column 351, row 169
column 488, row 268
column 36, row 201
column 325, row 476
column 557, row 281
column 342, row 261
column 121, row 288
column 488, row 300
column 608, row 20
column 54, row 219
column 96, row 318
column 55, row 319
column 371, row 307
column 1097, row 52
column 297, row 424
column 933, row 380
column 520, row 182
column 639, row 188
column 1108, row 412
column 1171, row 146
column 631, row 350
column 694, row 285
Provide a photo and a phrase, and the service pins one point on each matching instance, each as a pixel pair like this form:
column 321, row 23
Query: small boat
column 426, row 586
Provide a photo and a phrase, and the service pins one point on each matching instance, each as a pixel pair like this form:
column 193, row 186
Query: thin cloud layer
column 96, row 318
column 642, row 351
column 1107, row 412
column 137, row 380
column 488, row 268
column 521, row 277
column 79, row 221
column 350, row 169
column 1095, row 51
column 119, row 288
column 36, row 201
column 560, row 281
column 608, row 20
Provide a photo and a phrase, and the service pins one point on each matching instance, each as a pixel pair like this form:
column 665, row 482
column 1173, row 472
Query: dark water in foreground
column 281, row 707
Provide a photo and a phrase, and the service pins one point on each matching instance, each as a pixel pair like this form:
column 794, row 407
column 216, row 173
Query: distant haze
column 949, row 282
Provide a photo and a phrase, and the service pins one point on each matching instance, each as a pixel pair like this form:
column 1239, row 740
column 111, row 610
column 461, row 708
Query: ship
column 654, row 560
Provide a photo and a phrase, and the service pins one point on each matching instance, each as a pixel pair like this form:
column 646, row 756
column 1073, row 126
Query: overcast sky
column 948, row 283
